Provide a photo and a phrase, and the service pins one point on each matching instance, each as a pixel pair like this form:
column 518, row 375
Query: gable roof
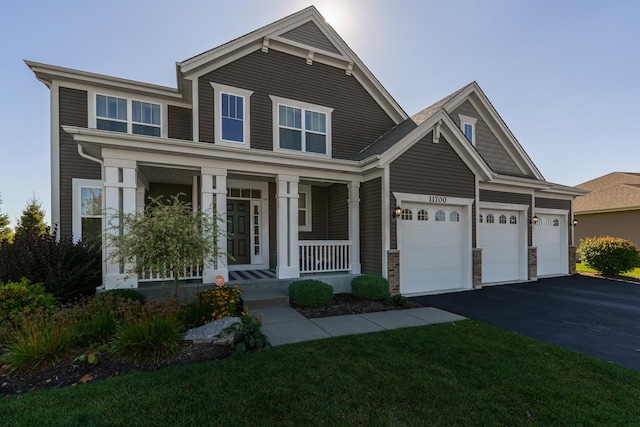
column 305, row 34
column 611, row 192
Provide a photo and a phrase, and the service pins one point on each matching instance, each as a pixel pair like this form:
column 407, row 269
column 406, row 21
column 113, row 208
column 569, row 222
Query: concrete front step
column 261, row 298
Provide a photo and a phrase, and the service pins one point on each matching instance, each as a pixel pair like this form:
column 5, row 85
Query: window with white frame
column 304, row 207
column 128, row 115
column 302, row 127
column 87, row 210
column 231, row 107
column 468, row 127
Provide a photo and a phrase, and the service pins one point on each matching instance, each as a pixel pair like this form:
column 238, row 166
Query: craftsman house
column 612, row 208
column 317, row 167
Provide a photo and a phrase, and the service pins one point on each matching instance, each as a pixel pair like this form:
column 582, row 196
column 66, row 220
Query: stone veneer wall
column 573, row 257
column 476, row 268
column 533, row 263
column 393, row 271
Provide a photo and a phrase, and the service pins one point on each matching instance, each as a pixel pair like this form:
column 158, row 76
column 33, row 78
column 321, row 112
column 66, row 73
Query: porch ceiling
column 168, row 175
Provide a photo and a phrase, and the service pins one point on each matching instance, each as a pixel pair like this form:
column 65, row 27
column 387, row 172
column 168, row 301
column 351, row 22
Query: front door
column 239, row 232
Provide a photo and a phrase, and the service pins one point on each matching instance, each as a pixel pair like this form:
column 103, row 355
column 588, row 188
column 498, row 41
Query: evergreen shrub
column 370, row 287
column 609, row 255
column 311, row 293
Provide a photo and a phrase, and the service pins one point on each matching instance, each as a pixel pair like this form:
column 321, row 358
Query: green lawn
column 581, row 268
column 463, row 373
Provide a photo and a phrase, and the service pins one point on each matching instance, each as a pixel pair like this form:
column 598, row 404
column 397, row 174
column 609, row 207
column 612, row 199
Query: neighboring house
column 612, row 208
column 291, row 135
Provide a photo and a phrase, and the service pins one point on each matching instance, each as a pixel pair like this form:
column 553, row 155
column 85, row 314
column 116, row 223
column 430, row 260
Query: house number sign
column 437, row 199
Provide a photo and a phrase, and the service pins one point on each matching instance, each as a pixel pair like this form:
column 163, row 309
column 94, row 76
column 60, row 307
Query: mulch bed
column 65, row 373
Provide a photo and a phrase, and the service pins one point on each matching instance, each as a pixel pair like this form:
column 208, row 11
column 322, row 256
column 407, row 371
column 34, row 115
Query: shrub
column 66, row 269
column 18, row 298
column 153, row 337
column 248, row 336
column 311, row 293
column 38, row 339
column 370, row 287
column 609, row 255
column 398, row 301
column 126, row 294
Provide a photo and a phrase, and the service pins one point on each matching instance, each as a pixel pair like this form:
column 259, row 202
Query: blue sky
column 562, row 74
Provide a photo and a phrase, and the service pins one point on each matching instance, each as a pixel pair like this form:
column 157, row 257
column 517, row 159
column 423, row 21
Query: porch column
column 288, row 251
column 120, row 188
column 354, row 225
column 214, row 202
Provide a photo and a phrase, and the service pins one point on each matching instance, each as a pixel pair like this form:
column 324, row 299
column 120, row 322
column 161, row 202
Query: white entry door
column 550, row 237
column 432, row 242
column 501, row 236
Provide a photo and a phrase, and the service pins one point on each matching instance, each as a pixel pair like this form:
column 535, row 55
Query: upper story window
column 302, row 127
column 468, row 127
column 231, row 107
column 128, row 116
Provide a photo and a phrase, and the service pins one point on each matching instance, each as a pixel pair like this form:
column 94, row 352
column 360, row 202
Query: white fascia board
column 274, row 30
column 192, row 151
column 455, row 138
column 474, row 88
column 46, row 72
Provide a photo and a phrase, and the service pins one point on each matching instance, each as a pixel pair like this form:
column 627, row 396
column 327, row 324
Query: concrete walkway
column 284, row 325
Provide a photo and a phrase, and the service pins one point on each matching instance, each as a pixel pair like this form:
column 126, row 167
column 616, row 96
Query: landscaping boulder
column 214, row 332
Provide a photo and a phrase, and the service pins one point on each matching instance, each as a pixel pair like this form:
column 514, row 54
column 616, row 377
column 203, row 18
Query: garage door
column 432, row 248
column 550, row 236
column 501, row 237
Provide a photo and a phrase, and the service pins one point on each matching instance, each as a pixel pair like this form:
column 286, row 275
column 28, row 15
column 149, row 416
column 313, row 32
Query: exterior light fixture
column 534, row 220
column 396, row 212
column 575, row 222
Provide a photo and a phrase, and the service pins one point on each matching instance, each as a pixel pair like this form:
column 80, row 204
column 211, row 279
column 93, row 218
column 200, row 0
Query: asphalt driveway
column 593, row 316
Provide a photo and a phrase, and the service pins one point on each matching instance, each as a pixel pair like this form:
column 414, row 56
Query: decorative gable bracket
column 310, row 57
column 265, row 44
column 349, row 69
column 436, row 132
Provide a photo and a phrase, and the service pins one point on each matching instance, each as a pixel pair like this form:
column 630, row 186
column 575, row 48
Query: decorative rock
column 213, row 332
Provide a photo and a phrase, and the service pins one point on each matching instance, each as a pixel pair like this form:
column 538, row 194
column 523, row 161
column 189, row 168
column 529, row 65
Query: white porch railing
column 194, row 271
column 322, row 256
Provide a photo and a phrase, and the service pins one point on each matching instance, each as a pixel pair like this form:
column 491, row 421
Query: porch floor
column 237, row 276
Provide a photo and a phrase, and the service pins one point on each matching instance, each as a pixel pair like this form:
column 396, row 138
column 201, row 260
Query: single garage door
column 501, row 237
column 432, row 248
column 550, row 236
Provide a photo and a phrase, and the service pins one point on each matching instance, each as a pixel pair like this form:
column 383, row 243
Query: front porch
column 272, row 228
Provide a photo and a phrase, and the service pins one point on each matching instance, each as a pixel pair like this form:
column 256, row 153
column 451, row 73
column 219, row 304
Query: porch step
column 261, row 298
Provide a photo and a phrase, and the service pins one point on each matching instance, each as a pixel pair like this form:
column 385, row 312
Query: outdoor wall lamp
column 534, row 220
column 396, row 212
column 575, row 222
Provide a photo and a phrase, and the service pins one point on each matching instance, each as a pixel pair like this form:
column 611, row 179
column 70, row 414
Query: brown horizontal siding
column 180, row 123
column 72, row 105
column 310, row 35
column 318, row 215
column 338, row 207
column 357, row 120
column 625, row 225
column 428, row 168
column 486, row 142
column 371, row 226
column 513, row 198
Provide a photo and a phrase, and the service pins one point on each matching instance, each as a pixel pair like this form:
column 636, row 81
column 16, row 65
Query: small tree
column 5, row 231
column 167, row 237
column 31, row 223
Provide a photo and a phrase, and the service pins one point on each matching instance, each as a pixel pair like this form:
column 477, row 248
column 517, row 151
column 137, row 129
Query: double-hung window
column 111, row 113
column 87, row 209
column 128, row 116
column 231, row 115
column 302, row 127
column 146, row 118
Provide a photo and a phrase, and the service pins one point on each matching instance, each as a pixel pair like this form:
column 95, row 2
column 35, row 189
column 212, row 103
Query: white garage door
column 432, row 248
column 550, row 236
column 501, row 237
